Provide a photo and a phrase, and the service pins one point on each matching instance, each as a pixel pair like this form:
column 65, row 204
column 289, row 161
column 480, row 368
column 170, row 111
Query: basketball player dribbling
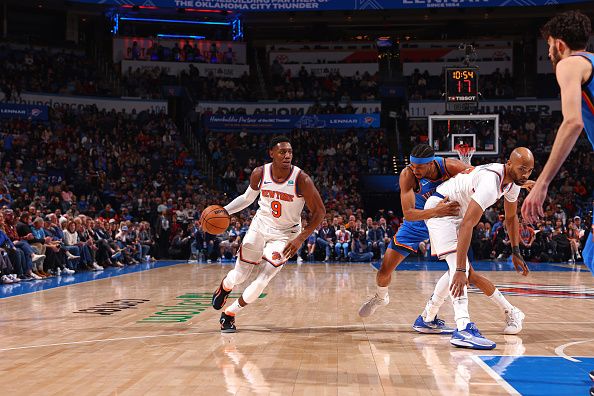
column 275, row 234
column 475, row 189
column 417, row 183
column 567, row 35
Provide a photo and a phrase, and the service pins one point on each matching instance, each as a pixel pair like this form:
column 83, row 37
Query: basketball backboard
column 479, row 131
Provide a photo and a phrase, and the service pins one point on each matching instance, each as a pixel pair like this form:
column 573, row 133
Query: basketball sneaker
column 227, row 323
column 436, row 326
column 219, row 298
column 472, row 338
column 369, row 307
column 513, row 321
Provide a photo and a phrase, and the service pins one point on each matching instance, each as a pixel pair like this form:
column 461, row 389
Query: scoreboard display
column 461, row 89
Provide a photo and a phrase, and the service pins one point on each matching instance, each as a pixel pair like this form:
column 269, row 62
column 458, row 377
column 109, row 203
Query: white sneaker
column 299, row 260
column 71, row 256
column 6, row 280
column 68, row 271
column 59, row 271
column 97, row 267
column 14, row 278
column 35, row 276
column 37, row 257
column 513, row 321
column 369, row 307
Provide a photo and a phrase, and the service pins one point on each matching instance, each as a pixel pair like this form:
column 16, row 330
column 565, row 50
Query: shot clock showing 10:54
column 461, row 89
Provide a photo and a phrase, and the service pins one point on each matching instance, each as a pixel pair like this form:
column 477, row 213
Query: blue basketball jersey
column 588, row 99
column 425, row 188
column 411, row 233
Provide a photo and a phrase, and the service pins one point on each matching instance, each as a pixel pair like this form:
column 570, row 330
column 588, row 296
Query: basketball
column 214, row 219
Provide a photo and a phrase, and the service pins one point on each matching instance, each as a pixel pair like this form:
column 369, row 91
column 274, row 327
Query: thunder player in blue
column 567, row 35
column 418, row 182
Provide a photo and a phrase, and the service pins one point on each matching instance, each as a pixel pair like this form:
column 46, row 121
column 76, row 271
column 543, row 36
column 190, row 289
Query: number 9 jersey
column 280, row 204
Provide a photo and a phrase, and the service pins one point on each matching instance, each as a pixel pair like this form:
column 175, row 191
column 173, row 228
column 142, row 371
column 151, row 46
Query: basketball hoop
column 465, row 152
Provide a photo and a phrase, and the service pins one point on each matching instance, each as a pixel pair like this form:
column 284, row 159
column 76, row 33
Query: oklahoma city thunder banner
column 328, row 5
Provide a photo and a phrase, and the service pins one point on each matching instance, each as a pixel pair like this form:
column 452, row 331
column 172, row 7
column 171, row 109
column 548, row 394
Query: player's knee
column 236, row 276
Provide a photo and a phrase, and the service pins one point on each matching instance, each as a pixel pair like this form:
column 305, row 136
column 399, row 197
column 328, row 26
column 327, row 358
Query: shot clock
column 461, row 89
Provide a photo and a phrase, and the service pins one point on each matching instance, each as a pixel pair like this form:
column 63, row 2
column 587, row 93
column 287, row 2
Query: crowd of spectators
column 330, row 87
column 187, row 52
column 48, row 70
column 128, row 173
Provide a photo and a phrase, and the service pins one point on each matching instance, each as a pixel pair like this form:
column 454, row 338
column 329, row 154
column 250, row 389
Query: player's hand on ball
column 458, row 282
column 447, row 208
column 291, row 248
column 528, row 185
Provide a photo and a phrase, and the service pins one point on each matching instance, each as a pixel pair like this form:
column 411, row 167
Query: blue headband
column 420, row 161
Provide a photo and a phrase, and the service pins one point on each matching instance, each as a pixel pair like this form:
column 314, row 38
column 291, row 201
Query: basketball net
column 465, row 152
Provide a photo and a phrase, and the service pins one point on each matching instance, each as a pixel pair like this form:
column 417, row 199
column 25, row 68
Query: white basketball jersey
column 280, row 204
column 483, row 184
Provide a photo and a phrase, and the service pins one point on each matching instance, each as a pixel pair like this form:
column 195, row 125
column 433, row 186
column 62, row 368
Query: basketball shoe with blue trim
column 436, row 326
column 472, row 338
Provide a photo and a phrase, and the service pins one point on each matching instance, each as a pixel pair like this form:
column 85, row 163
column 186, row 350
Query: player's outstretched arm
column 570, row 82
column 314, row 203
column 249, row 196
column 407, row 200
column 513, row 230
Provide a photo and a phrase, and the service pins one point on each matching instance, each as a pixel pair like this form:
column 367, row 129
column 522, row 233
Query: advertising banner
column 24, row 111
column 102, row 103
column 277, row 108
column 274, row 122
column 174, row 68
column 426, row 108
column 328, row 5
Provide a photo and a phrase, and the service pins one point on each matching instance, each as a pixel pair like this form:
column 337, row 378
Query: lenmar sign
column 186, row 307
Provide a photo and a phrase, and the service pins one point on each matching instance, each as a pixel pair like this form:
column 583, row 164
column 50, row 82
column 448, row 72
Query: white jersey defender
column 483, row 184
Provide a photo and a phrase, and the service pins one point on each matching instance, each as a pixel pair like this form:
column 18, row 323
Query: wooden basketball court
column 154, row 332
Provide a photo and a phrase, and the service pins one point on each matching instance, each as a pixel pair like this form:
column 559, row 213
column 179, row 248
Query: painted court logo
column 539, row 290
column 111, row 307
column 185, row 308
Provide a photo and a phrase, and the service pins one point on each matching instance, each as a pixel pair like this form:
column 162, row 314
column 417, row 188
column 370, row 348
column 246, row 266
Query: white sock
column 461, row 312
column 233, row 308
column 498, row 299
column 460, row 304
column 382, row 292
column 440, row 293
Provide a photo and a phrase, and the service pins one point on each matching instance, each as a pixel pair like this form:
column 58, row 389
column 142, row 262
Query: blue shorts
column 407, row 240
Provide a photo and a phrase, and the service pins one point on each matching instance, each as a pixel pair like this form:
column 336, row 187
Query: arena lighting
column 180, row 36
column 174, row 21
